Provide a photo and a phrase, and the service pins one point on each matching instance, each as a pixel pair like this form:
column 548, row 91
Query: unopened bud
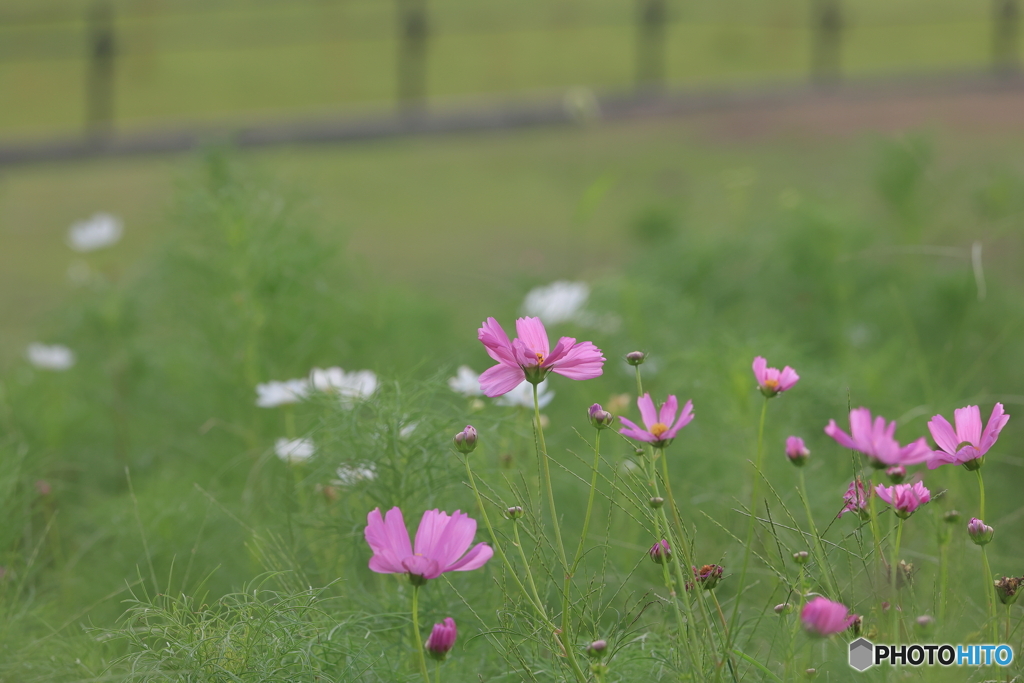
column 599, row 417
column 636, row 357
column 514, row 512
column 783, row 608
column 896, row 474
column 811, row 673
column 796, row 451
column 660, row 552
column 924, row 623
column 951, row 517
column 465, row 441
column 707, row 577
column 857, row 625
column 657, row 502
column 801, row 557
column 1008, row 589
column 979, row 532
column 597, row 648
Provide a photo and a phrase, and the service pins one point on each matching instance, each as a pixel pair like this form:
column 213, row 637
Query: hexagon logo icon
column 862, row 654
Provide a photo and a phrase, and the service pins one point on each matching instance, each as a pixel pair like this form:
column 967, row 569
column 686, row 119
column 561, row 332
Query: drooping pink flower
column 442, row 639
column 796, row 450
column 441, row 544
column 530, row 356
column 904, row 498
column 660, row 428
column 773, row 381
column 660, row 552
column 856, row 498
column 822, row 617
column 875, row 440
column 968, row 444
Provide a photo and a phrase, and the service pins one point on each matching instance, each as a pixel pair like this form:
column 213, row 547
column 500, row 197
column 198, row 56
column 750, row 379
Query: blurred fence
column 69, row 65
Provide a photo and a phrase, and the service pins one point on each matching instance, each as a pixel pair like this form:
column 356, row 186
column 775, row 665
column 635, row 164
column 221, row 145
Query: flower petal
column 582, row 361
column 430, row 533
column 496, row 342
column 787, row 378
column 760, row 365
column 968, row 425
column 426, row 567
column 685, row 418
column 942, row 432
column 389, row 540
column 532, row 333
column 457, row 537
column 647, row 410
column 634, row 432
column 844, row 439
column 474, row 559
column 501, row 379
column 996, row 421
column 667, row 414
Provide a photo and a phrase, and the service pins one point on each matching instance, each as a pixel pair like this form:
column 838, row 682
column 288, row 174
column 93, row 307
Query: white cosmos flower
column 294, row 450
column 351, row 387
column 102, row 230
column 558, row 302
column 465, row 382
column 353, row 474
column 55, row 357
column 273, row 394
column 522, row 395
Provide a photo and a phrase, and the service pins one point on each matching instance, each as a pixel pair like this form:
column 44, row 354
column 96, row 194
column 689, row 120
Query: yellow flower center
column 658, row 429
column 540, row 358
column 771, row 384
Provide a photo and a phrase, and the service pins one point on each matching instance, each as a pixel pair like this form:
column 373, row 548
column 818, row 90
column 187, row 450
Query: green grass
column 229, row 63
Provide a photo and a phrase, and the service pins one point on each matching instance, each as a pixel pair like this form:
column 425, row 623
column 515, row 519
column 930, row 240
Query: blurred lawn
column 190, row 63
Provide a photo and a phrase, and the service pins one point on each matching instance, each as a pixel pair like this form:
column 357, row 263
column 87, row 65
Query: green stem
column 437, row 673
column 893, row 575
column 876, row 534
column 564, row 632
column 529, row 574
column 590, row 502
column 981, row 494
column 750, row 526
column 819, row 551
column 421, row 660
column 943, row 579
column 990, row 589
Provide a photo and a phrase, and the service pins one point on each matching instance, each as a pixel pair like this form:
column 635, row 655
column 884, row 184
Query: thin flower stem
column 819, row 551
column 564, row 632
column 876, row 535
column 943, row 578
column 750, row 526
column 529, row 575
column 535, row 599
column 437, row 672
column 590, row 502
column 990, row 589
column 421, row 660
column 893, row 571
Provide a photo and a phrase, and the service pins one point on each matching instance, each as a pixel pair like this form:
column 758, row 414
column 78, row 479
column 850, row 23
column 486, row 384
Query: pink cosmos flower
column 530, row 356
column 856, row 498
column 904, row 498
column 875, row 440
column 660, row 428
column 968, row 444
column 796, row 450
column 441, row 541
column 822, row 617
column 442, row 639
column 773, row 381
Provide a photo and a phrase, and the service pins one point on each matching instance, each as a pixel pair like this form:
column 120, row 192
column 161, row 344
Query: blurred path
column 976, row 101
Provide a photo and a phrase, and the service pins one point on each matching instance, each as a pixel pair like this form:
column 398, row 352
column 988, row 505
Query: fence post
column 99, row 106
column 826, row 41
column 650, row 44
column 1005, row 36
column 412, row 54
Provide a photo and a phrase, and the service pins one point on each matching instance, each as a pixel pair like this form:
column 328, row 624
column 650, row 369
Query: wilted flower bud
column 1008, row 589
column 441, row 639
column 896, row 474
column 660, row 552
column 783, row 608
column 657, row 502
column 979, row 532
column 811, row 673
column 801, row 557
column 796, row 451
column 597, row 648
column 636, row 357
column 904, row 573
column 707, row 577
column 514, row 512
column 599, row 417
column 857, row 625
column 924, row 623
column 951, row 517
column 465, row 441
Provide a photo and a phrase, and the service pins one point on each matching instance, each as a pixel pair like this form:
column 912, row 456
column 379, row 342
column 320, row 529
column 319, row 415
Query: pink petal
column 382, row 565
column 860, row 427
column 474, row 559
column 996, row 421
column 760, row 365
column 422, row 566
column 940, row 458
column 667, row 414
column 685, row 418
column 915, row 453
column 457, row 537
column 532, row 333
column 501, row 379
column 787, row 378
column 884, row 493
column 563, row 347
column 388, row 539
column 840, row 436
column 647, row 411
column 968, row 425
column 942, row 432
column 583, row 361
column 496, row 342
column 634, row 432
column 430, row 532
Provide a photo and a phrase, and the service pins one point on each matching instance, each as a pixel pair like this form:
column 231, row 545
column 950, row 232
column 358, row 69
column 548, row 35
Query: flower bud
column 441, row 639
column 599, row 417
column 979, row 532
column 796, row 451
column 811, row 673
column 657, row 502
column 597, row 648
column 801, row 557
column 465, row 441
column 924, row 623
column 660, row 552
column 857, row 625
column 1008, row 589
column 896, row 474
column 783, row 608
column 707, row 577
column 951, row 517
column 636, row 357
column 514, row 512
